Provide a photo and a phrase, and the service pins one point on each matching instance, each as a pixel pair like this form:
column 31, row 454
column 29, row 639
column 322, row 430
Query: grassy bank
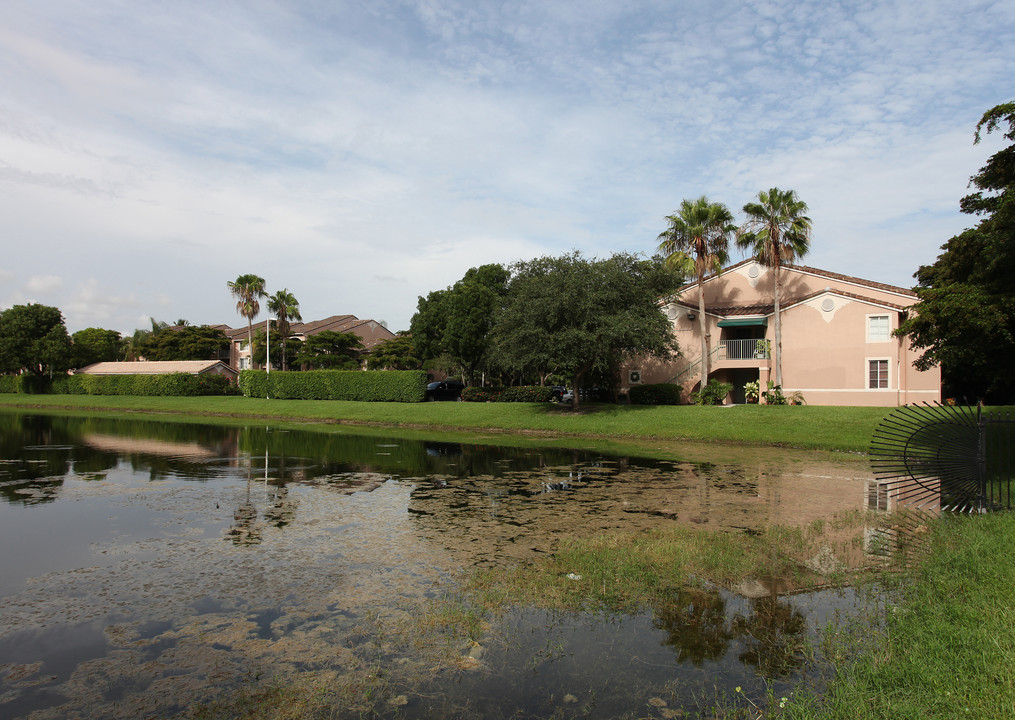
column 807, row 427
column 947, row 648
column 941, row 648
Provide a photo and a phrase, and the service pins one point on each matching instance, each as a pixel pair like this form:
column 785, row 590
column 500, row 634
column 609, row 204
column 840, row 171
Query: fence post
column 981, row 456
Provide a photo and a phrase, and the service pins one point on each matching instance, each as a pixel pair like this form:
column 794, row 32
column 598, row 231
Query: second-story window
column 878, row 329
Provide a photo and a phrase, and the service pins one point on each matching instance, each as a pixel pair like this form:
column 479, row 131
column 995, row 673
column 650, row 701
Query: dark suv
column 445, row 390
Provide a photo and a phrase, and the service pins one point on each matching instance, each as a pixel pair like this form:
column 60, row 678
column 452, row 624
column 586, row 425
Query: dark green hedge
column 23, row 384
column 660, row 394
column 169, row 384
column 366, row 386
column 522, row 393
column 482, row 394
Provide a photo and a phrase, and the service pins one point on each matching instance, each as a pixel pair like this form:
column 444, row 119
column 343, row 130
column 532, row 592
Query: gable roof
column 816, row 272
column 155, row 367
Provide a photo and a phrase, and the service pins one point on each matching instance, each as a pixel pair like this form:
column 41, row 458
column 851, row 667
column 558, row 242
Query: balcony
column 748, row 349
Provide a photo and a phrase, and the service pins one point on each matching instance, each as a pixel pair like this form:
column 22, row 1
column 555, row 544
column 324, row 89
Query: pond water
column 152, row 565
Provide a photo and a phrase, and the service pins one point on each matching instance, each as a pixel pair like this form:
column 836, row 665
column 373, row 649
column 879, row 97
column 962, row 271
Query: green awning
column 743, row 322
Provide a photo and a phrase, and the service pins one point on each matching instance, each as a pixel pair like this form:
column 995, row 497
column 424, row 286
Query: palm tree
column 248, row 290
column 285, row 307
column 697, row 242
column 777, row 233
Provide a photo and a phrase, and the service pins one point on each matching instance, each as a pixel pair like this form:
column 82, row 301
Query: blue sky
column 361, row 154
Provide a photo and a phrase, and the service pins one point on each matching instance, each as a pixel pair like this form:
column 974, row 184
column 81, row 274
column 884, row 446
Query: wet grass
column 627, row 572
column 941, row 648
column 946, row 648
column 806, row 427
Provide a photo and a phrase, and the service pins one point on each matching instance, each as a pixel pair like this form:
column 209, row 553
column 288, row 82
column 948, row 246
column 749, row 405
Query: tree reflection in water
column 773, row 635
column 700, row 629
column 696, row 625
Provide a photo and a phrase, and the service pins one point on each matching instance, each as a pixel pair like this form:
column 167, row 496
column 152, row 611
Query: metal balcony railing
column 750, row 349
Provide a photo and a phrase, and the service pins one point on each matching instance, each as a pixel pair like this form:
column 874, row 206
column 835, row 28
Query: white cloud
column 364, row 154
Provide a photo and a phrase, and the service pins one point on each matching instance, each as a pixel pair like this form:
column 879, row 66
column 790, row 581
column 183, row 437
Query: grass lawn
column 815, row 427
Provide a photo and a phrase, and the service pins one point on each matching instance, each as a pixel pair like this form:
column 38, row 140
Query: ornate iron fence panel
column 941, row 458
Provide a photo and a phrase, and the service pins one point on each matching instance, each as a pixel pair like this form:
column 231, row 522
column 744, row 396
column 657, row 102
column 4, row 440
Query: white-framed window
column 244, row 363
column 877, row 374
column 879, row 328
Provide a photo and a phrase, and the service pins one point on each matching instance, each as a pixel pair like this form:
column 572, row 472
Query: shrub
column 361, row 385
column 482, row 394
column 527, row 393
column 166, row 384
column 657, row 394
column 23, row 384
column 774, row 395
column 521, row 393
column 714, row 393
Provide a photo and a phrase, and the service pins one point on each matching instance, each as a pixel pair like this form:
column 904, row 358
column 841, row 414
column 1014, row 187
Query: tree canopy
column 452, row 326
column 965, row 317
column 248, row 290
column 93, row 345
column 777, row 233
column 572, row 316
column 189, row 342
column 330, row 350
column 697, row 242
column 285, row 307
column 33, row 339
column 398, row 353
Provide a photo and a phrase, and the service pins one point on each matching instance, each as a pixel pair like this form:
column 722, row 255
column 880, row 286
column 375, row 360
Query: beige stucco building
column 370, row 332
column 837, row 342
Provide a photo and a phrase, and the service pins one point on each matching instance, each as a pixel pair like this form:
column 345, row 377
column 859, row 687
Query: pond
column 154, row 565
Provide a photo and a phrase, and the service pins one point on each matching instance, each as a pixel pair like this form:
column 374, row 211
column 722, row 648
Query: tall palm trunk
column 703, row 326
column 778, row 324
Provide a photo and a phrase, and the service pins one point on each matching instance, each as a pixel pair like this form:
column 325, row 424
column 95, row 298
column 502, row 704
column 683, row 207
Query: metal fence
column 944, row 458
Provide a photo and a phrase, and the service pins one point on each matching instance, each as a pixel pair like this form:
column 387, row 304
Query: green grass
column 807, row 427
column 947, row 648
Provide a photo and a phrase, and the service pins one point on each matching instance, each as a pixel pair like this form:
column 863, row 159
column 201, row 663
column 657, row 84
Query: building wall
column 827, row 343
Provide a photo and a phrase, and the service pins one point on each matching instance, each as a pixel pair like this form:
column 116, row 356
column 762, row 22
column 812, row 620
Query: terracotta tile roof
column 153, row 367
column 815, row 271
column 335, row 323
column 843, row 293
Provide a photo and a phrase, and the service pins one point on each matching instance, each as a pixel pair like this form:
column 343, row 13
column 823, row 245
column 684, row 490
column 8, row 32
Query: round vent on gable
column 828, row 304
column 753, row 270
column 672, row 311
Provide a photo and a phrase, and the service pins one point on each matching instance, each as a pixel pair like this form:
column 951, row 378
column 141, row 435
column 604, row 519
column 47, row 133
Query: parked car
column 558, row 392
column 445, row 390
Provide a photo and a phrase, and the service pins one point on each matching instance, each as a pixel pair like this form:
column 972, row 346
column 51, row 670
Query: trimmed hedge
column 362, row 385
column 23, row 384
column 165, row 384
column 522, row 393
column 657, row 394
column 482, row 394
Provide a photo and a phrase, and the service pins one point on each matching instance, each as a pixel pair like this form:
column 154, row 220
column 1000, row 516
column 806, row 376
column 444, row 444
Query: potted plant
column 752, row 391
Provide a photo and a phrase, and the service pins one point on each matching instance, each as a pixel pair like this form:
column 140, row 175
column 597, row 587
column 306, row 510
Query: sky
column 364, row 153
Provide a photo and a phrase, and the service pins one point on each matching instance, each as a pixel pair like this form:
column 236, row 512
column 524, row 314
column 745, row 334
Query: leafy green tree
column 248, row 290
column 582, row 316
column 331, row 350
column 33, row 339
column 398, row 353
column 696, row 243
column 188, row 342
column 965, row 317
column 777, row 233
column 454, row 324
column 94, row 345
column 285, row 307
column 289, row 354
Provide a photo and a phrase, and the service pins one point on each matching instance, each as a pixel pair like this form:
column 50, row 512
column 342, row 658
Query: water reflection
column 214, row 551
